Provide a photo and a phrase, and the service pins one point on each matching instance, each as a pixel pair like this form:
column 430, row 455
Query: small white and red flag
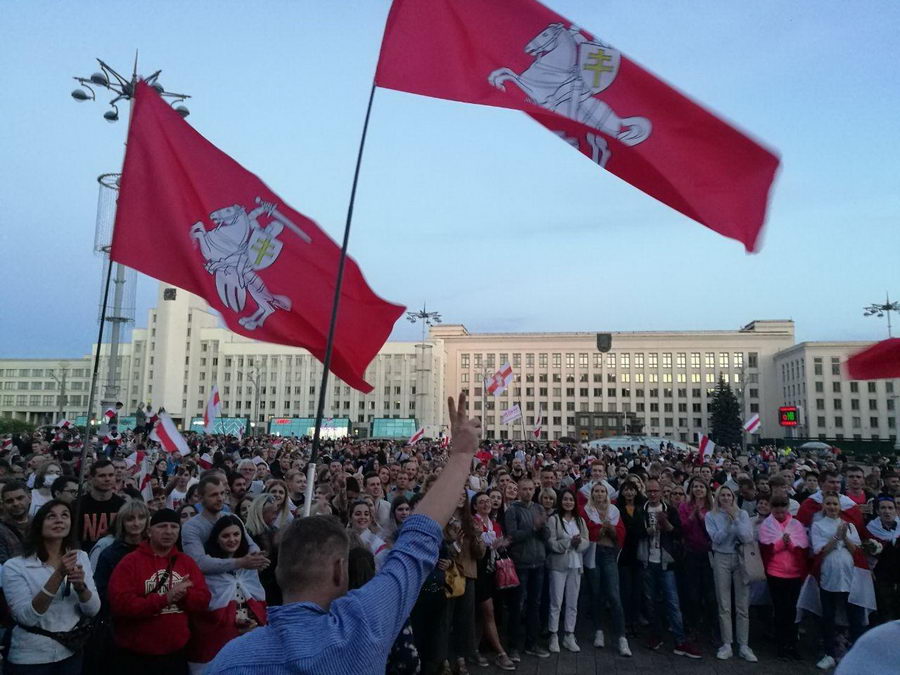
column 112, row 437
column 500, row 380
column 6, row 444
column 109, row 413
column 205, row 461
column 165, row 433
column 538, row 426
column 213, row 409
column 706, row 448
column 146, row 488
column 751, row 425
column 445, row 441
column 416, row 437
column 134, row 459
column 154, row 418
column 64, row 424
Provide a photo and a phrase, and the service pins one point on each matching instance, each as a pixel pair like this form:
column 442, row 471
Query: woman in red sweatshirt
column 152, row 593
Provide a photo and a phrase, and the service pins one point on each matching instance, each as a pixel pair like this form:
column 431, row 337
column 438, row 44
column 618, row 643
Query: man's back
column 356, row 634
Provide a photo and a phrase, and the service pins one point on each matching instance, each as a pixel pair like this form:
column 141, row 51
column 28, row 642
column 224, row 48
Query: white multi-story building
column 661, row 379
column 812, row 377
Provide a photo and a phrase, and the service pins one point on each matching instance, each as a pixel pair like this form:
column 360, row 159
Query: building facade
column 659, row 381
column 812, row 377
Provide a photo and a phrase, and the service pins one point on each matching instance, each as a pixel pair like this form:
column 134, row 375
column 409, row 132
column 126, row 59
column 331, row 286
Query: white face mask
column 49, row 478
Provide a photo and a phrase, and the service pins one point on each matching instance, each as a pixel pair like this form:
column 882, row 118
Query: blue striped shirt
column 357, row 632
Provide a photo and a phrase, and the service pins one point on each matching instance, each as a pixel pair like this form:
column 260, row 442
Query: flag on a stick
column 524, row 56
column 706, row 449
column 416, row 437
column 212, row 411
column 880, row 361
column 538, row 426
column 165, row 433
column 190, row 215
column 752, row 424
column 500, row 380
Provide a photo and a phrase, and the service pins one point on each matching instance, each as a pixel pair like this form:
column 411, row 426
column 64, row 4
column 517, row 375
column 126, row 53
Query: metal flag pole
column 522, row 420
column 329, row 345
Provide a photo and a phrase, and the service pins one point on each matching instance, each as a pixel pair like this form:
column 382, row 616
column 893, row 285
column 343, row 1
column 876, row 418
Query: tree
column 11, row 426
column 727, row 427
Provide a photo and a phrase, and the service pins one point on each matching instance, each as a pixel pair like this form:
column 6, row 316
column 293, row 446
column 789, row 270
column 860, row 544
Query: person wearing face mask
column 237, row 599
column 43, row 481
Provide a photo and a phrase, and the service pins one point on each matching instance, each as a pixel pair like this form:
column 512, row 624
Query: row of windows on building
column 838, row 404
column 626, row 378
column 624, row 360
column 42, row 372
column 48, row 385
column 44, row 401
column 855, row 422
column 613, row 392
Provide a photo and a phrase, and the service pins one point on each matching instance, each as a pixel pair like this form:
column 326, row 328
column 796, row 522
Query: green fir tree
column 725, row 414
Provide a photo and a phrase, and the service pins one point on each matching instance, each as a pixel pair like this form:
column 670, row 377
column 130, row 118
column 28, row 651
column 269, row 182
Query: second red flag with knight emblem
column 188, row 214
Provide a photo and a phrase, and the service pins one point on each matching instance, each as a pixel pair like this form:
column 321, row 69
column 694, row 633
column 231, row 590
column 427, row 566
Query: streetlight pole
column 62, row 390
column 122, row 89
column 427, row 319
column 881, row 310
column 253, row 378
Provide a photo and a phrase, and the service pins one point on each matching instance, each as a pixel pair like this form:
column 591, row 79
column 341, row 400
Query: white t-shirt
column 175, row 499
column 655, row 552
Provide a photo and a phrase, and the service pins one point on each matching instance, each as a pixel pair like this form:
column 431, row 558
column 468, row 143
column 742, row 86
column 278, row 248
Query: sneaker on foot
column 461, row 668
column 747, row 654
column 554, row 643
column 537, row 651
column 569, row 643
column 825, row 663
column 654, row 642
column 624, row 649
column 688, row 650
column 514, row 655
column 503, row 662
column 724, row 652
column 599, row 640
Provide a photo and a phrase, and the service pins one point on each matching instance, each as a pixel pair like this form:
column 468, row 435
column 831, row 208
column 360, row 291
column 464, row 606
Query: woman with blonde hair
column 261, row 527
column 547, row 499
column 279, row 490
column 729, row 527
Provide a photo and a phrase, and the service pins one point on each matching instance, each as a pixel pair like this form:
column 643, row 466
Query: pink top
column 787, row 561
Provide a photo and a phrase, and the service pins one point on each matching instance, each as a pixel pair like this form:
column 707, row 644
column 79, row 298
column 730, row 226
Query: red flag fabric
column 881, row 360
column 524, row 56
column 190, row 215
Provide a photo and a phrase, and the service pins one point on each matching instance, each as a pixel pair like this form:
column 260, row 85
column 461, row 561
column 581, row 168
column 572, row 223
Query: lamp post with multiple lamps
column 122, row 89
column 882, row 310
column 427, row 319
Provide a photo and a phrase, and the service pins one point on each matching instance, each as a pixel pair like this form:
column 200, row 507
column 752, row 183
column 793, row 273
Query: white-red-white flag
column 500, row 380
column 445, row 441
column 109, row 413
column 751, row 425
column 64, row 424
column 165, row 433
column 205, row 461
column 706, row 448
column 133, row 460
column 538, row 426
column 6, row 444
column 213, row 409
column 416, row 437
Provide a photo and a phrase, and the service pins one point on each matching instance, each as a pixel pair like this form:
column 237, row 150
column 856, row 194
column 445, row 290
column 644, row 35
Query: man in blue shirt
column 323, row 629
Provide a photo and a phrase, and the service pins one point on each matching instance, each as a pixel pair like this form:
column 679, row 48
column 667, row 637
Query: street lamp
column 427, row 319
column 123, row 89
column 62, row 390
column 253, row 378
column 880, row 310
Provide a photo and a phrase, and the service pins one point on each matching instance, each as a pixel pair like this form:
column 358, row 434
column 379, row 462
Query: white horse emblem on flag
column 236, row 249
column 567, row 73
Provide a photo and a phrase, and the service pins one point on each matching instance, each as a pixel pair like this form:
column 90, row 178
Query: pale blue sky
column 478, row 211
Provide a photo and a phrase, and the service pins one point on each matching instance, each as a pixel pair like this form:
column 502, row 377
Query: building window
column 610, row 360
column 739, row 359
column 542, row 360
column 820, row 404
column 873, row 422
column 570, row 360
column 517, row 360
column 836, row 387
column 463, row 360
column 653, row 360
column 820, row 387
column 667, row 360
column 639, row 360
column 557, row 360
column 839, row 422
column 625, row 360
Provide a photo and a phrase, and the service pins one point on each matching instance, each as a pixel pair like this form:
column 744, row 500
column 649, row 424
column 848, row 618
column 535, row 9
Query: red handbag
column 506, row 576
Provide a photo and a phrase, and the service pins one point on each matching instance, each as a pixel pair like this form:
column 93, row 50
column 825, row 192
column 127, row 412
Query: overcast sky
column 477, row 211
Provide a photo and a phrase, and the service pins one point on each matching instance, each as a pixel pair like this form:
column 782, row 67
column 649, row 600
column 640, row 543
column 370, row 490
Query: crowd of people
column 165, row 559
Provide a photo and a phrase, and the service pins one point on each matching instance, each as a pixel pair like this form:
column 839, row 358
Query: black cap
column 164, row 516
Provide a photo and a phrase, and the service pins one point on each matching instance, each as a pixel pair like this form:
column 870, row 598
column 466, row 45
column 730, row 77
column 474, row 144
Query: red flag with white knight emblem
column 190, row 215
column 524, row 56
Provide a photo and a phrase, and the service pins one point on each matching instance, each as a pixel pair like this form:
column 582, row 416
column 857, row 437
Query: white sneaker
column 747, row 654
column 599, row 641
column 624, row 649
column 724, row 652
column 825, row 663
column 554, row 643
column 569, row 643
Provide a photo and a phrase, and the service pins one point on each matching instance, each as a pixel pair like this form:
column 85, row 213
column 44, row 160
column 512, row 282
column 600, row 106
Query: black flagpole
column 76, row 524
column 329, row 345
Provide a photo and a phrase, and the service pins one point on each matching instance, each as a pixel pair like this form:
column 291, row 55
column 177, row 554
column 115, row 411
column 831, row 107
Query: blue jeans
column 525, row 620
column 604, row 582
column 661, row 592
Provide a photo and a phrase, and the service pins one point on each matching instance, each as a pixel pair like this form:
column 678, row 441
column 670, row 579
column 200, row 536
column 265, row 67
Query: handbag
column 74, row 639
column 506, row 576
column 454, row 581
column 751, row 562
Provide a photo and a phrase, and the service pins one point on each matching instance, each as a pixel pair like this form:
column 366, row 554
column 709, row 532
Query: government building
column 655, row 383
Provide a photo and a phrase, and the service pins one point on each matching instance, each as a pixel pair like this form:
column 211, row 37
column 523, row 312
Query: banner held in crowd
column 190, row 215
column 590, row 95
column 511, row 414
column 166, row 434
